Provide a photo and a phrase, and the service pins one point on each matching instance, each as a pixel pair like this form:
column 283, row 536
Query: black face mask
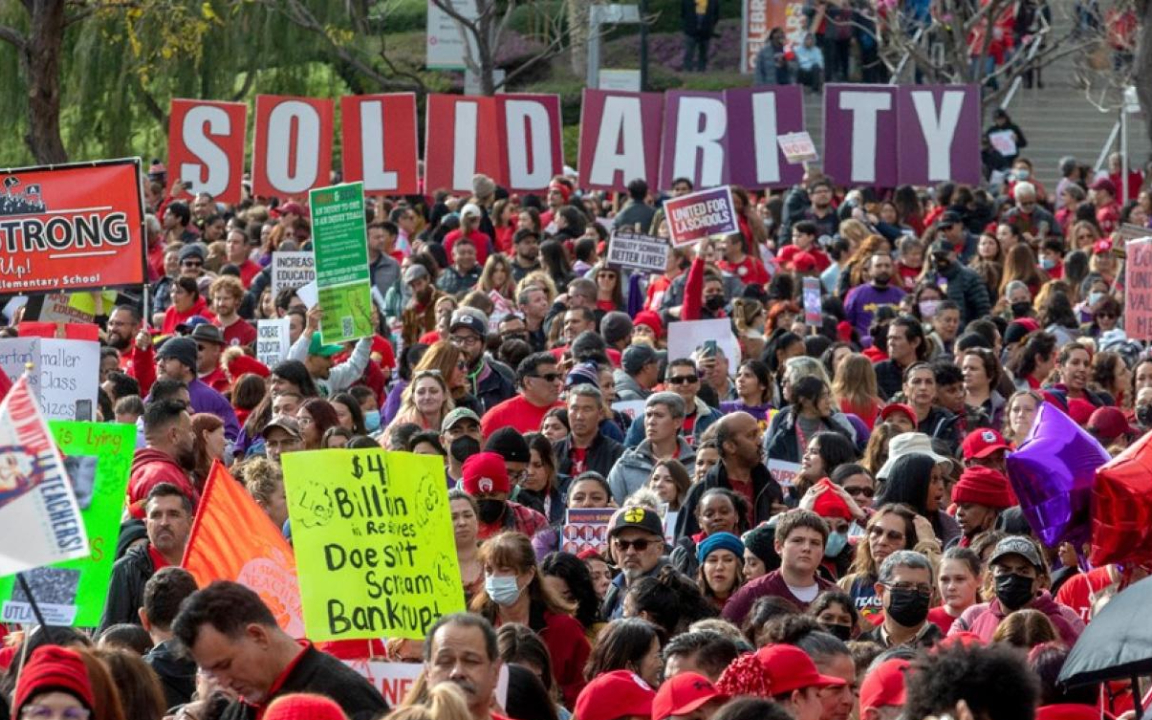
column 463, row 448
column 1021, row 309
column 907, row 607
column 840, row 632
column 881, row 280
column 943, row 265
column 490, row 510
column 714, row 302
column 1014, row 591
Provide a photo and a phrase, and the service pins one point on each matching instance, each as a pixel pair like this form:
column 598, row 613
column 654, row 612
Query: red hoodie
column 151, row 467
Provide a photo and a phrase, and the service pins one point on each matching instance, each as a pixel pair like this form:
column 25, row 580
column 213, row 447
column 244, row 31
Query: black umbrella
column 1117, row 645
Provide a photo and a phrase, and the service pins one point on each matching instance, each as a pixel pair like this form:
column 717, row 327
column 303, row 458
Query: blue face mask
column 836, row 544
column 1095, row 297
column 1047, row 263
column 372, row 420
column 502, row 589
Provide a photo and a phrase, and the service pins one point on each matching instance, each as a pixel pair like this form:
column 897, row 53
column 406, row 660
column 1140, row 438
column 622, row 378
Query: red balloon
column 1122, row 507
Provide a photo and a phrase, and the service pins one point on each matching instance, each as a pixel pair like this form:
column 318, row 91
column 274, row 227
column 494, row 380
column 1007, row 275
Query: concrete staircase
column 1057, row 120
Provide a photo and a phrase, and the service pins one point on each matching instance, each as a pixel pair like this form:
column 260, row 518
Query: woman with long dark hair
column 209, row 444
column 315, row 416
column 917, row 480
column 570, row 579
column 628, row 644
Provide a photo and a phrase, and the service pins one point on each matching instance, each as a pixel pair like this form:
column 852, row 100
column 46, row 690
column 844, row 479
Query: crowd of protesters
column 893, row 576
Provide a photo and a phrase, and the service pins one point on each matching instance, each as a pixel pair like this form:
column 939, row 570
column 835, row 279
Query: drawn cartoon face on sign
column 316, row 503
column 431, row 495
column 19, row 472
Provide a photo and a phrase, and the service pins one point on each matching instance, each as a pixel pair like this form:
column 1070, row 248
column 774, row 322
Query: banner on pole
column 71, row 227
column 343, row 281
column 97, row 458
column 374, row 543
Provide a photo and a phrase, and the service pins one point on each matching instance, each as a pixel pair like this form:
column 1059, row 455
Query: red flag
column 233, row 539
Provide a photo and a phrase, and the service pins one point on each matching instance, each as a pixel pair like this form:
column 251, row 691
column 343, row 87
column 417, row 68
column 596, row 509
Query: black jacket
column 967, row 290
column 602, row 455
column 765, row 490
column 889, row 378
column 699, row 25
column 320, row 673
column 177, row 673
column 126, row 590
column 495, row 385
column 784, row 444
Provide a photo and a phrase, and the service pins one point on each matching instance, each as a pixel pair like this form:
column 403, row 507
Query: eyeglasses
column 461, row 340
column 43, row 712
column 879, row 532
column 923, row 590
column 865, row 491
column 1108, row 315
column 640, row 545
column 550, row 377
column 683, row 379
column 191, row 263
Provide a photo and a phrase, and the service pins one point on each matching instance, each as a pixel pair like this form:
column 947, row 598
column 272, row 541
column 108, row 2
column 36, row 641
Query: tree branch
column 12, row 35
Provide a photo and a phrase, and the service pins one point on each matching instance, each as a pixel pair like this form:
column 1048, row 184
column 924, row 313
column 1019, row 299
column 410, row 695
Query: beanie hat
column 616, row 326
column 304, row 706
column 130, row 532
column 585, row 373
column 236, row 363
column 483, row 186
column 719, row 541
column 485, row 473
column 508, row 443
column 50, row 668
column 829, row 504
column 650, row 319
column 760, row 541
column 193, row 250
column 983, row 486
column 179, row 348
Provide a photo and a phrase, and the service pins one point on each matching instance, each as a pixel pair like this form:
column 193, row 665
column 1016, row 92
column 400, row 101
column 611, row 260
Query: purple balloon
column 1052, row 472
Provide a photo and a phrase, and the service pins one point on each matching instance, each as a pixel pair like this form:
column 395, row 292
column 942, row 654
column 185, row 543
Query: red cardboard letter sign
column 380, row 147
column 206, row 147
column 292, row 152
column 461, row 139
column 531, row 136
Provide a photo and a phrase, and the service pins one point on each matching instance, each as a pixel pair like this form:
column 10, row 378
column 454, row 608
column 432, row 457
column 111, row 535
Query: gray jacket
column 627, row 388
column 634, row 467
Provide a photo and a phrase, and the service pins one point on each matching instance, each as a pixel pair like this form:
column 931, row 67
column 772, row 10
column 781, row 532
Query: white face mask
column 503, row 589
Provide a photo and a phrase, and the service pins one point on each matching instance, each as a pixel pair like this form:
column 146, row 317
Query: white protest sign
column 1003, row 142
column 444, row 43
column 272, row 341
column 309, row 294
column 292, row 270
column 61, row 376
column 798, row 147
column 639, row 252
column 687, row 335
column 813, row 314
column 783, row 472
column 394, row 679
column 631, row 409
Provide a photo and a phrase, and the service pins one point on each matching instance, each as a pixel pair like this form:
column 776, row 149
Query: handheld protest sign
column 375, row 550
column 697, row 215
column 343, row 280
column 97, row 457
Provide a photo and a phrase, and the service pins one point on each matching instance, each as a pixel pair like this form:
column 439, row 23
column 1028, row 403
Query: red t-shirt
column 216, row 380
column 481, row 240
column 158, row 560
column 248, row 271
column 240, row 332
column 788, row 253
column 515, row 412
column 939, row 617
column 1076, row 592
column 750, row 270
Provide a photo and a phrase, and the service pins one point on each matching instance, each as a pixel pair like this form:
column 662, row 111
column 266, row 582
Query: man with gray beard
column 637, row 537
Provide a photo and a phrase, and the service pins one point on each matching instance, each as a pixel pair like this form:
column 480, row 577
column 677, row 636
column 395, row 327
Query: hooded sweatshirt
column 983, row 619
column 150, row 467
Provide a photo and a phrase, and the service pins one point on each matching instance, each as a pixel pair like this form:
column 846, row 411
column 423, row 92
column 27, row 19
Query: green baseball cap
column 317, row 347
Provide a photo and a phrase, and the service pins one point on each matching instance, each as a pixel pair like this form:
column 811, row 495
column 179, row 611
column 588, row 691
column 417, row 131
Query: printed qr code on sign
column 347, row 325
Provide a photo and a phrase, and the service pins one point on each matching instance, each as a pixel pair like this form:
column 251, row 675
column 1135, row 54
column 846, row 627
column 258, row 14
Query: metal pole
column 1124, row 153
column 643, row 45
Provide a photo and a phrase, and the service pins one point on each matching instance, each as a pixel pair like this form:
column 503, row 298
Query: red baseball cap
column 683, row 694
column 887, row 410
column 485, row 473
column 1102, row 247
column 884, row 686
column 789, row 668
column 981, row 443
column 803, row 262
column 1108, row 423
column 292, row 207
column 614, row 695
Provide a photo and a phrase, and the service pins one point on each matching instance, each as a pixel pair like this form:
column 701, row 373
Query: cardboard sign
column 206, row 148
column 646, row 253
column 272, row 341
column 392, row 679
column 1138, row 290
column 813, row 313
column 61, row 376
column 40, row 521
column 586, row 529
column 631, row 409
column 71, row 227
column 97, row 458
column 798, row 147
column 702, row 214
column 343, row 281
column 292, row 148
column 445, row 43
column 783, row 472
column 374, row 545
column 292, row 269
column 380, row 146
column 686, row 336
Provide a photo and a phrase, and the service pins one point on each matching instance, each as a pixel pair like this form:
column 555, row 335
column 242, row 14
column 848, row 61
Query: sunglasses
column 550, row 377
column 640, row 545
column 191, row 263
column 683, row 379
column 879, row 532
column 866, row 492
column 1108, row 315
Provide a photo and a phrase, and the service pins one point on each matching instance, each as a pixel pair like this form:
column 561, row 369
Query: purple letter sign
column 756, row 116
column 695, row 139
column 860, row 134
column 617, row 139
column 939, row 134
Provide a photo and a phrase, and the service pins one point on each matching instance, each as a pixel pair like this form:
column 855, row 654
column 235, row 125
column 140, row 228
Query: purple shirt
column 862, row 303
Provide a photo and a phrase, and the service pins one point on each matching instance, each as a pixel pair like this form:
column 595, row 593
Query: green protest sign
column 375, row 552
column 98, row 457
column 340, row 241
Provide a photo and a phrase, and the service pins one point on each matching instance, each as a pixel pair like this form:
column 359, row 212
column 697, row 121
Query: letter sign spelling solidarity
column 206, row 147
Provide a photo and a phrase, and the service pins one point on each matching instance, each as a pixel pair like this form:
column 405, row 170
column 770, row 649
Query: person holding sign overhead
column 515, row 593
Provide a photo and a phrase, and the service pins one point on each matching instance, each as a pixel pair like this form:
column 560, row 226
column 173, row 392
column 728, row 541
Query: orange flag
column 233, row 539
